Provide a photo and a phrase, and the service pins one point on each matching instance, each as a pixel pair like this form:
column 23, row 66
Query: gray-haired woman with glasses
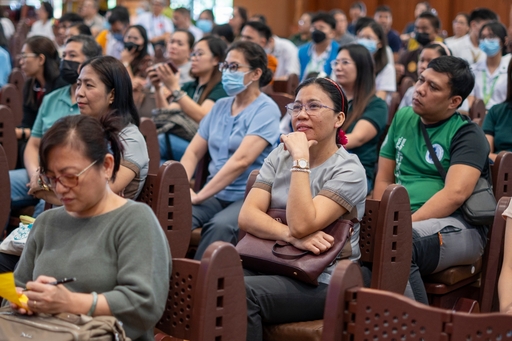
column 316, row 181
column 239, row 132
column 196, row 98
column 113, row 246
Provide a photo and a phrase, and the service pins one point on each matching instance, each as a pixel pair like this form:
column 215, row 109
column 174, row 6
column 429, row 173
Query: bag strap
column 432, row 152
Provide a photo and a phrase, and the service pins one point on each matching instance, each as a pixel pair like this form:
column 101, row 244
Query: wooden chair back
column 5, row 188
column 18, row 80
column 477, row 111
column 206, row 299
column 356, row 313
column 406, row 83
column 8, row 136
column 502, row 175
column 148, row 130
column 385, row 239
column 287, row 86
column 492, row 260
column 281, row 100
column 9, row 96
column 168, row 194
column 393, row 107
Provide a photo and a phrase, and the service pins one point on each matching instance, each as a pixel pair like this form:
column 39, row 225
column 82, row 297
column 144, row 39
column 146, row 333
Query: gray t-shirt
column 340, row 178
column 135, row 158
column 122, row 254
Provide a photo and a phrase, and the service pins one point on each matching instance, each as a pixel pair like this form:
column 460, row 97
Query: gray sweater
column 122, row 254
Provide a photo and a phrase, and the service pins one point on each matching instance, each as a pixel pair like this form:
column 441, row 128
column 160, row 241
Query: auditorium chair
column 405, row 84
column 385, row 240
column 477, row 111
column 287, row 86
column 9, row 97
column 356, row 313
column 5, row 189
column 445, row 287
column 8, row 136
column 281, row 100
column 168, row 194
column 206, row 298
column 18, row 80
column 148, row 130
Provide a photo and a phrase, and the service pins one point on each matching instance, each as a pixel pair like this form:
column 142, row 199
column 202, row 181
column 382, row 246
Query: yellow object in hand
column 8, row 290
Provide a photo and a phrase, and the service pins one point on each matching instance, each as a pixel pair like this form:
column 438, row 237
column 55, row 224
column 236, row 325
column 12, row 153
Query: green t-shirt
column 194, row 91
column 498, row 123
column 376, row 113
column 455, row 140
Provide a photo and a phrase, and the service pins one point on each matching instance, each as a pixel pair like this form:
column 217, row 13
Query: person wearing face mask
column 59, row 103
column 136, row 59
column 181, row 19
column 315, row 57
column 206, row 21
column 371, row 35
column 239, row 133
column 112, row 40
column 427, row 26
column 491, row 73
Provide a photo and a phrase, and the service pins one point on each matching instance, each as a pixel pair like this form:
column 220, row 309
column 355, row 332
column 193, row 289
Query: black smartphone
column 173, row 67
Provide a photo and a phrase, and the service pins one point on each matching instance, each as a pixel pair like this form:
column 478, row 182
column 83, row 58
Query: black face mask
column 422, row 38
column 130, row 46
column 69, row 70
column 318, row 36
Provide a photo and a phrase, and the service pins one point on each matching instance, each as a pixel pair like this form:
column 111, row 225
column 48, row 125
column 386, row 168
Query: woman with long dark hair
column 195, row 99
column 367, row 114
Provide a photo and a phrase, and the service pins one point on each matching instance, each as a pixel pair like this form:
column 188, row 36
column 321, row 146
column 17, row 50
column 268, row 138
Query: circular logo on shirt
column 412, row 67
column 439, row 153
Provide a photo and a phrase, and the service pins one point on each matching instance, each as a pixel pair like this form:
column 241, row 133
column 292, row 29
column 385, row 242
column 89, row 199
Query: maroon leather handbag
column 280, row 258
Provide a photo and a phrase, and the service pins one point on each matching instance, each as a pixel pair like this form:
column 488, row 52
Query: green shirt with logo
column 455, row 140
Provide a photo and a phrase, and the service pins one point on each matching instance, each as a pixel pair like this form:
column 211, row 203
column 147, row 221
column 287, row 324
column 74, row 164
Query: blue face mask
column 233, row 82
column 204, row 25
column 370, row 45
column 490, row 47
column 118, row 37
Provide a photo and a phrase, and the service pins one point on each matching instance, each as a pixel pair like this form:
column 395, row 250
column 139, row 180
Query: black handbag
column 479, row 208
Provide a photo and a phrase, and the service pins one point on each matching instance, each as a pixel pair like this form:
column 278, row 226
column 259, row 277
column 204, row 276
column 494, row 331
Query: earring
column 110, row 102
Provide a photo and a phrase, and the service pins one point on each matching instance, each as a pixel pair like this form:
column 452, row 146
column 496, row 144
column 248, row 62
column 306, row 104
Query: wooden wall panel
column 283, row 14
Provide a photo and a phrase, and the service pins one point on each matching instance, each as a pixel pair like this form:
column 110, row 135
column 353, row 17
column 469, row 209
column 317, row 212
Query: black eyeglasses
column 231, row 67
column 66, row 180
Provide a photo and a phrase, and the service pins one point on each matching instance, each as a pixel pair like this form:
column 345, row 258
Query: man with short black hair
column 66, row 21
column 357, row 10
column 384, row 17
column 181, row 20
column 315, row 57
column 111, row 40
column 442, row 238
column 467, row 46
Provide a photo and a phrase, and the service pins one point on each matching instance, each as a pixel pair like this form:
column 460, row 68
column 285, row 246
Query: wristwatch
column 175, row 93
column 301, row 163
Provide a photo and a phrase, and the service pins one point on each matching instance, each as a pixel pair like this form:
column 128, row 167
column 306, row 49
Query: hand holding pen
column 60, row 281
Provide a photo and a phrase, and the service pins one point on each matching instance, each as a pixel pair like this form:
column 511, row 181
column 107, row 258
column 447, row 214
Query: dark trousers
column 8, row 262
column 279, row 299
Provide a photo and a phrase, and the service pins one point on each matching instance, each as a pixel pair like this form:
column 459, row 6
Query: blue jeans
column 178, row 147
column 19, row 192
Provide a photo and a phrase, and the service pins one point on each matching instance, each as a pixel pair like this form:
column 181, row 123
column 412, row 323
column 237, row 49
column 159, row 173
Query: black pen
column 60, row 281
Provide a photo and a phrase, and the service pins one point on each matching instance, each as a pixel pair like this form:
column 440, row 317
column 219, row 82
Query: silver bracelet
column 180, row 96
column 296, row 169
column 94, row 303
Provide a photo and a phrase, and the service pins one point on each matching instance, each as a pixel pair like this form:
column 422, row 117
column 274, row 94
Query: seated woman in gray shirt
column 114, row 247
column 317, row 181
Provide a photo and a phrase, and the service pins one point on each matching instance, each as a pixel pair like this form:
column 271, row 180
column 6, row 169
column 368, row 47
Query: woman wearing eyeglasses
column 317, row 181
column 367, row 113
column 39, row 61
column 196, row 98
column 239, row 132
column 104, row 87
column 113, row 246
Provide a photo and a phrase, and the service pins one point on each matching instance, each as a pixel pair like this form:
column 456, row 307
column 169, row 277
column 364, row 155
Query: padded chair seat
column 297, row 331
column 455, row 274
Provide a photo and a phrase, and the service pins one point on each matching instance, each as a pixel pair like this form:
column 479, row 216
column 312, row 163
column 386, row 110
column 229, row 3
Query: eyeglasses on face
column 342, row 62
column 66, row 180
column 24, row 56
column 312, row 108
column 231, row 67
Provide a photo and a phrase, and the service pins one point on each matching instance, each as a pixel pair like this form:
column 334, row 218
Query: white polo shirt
column 491, row 86
column 287, row 55
column 155, row 26
column 463, row 48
